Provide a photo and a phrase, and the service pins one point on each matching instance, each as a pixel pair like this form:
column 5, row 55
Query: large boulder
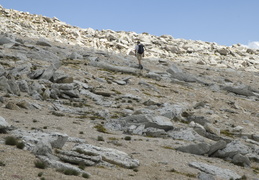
column 41, row 143
column 199, row 149
column 223, row 51
column 214, row 170
column 179, row 74
column 159, row 122
column 57, row 140
column 49, row 72
column 241, row 160
column 240, row 90
column 217, row 146
column 187, row 134
column 172, row 110
column 232, row 149
column 108, row 154
column 14, row 87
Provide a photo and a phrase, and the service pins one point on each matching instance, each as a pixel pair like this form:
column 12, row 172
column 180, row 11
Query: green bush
column 40, row 174
column 70, row 172
column 2, row 163
column 127, row 138
column 100, row 138
column 40, row 164
column 100, row 128
column 3, row 131
column 20, row 145
column 84, row 175
column 10, row 140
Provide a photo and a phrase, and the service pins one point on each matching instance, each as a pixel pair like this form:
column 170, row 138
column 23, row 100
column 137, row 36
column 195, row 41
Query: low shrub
column 100, row 128
column 81, row 165
column 20, row 145
column 100, row 138
column 40, row 164
column 127, row 138
column 84, row 175
column 2, row 163
column 70, row 172
column 40, row 174
column 10, row 140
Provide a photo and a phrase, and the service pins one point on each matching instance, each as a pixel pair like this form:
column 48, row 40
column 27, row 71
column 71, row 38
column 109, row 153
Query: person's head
column 138, row 42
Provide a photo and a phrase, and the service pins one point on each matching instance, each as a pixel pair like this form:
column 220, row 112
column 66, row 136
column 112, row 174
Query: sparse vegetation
column 2, row 163
column 100, row 138
column 135, row 169
column 243, row 177
column 115, row 142
column 100, row 128
column 182, row 173
column 86, row 176
column 226, row 132
column 40, row 174
column 113, row 138
column 127, row 138
column 20, row 145
column 84, row 116
column 104, row 85
column 81, row 165
column 69, row 172
column 168, row 147
column 255, row 170
column 10, row 140
column 40, row 164
column 91, row 116
column 79, row 151
column 3, row 131
column 117, row 92
column 59, row 114
column 96, row 117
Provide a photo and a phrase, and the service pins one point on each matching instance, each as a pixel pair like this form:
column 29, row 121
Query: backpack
column 140, row 49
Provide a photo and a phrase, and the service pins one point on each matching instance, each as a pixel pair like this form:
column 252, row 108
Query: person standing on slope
column 139, row 53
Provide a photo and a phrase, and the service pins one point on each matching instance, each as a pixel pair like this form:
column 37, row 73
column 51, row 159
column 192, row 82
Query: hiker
column 139, row 53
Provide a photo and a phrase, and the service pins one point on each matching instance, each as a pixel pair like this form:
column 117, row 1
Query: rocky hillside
column 76, row 106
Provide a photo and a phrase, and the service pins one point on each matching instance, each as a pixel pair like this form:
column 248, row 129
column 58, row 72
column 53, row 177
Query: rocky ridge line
column 35, row 26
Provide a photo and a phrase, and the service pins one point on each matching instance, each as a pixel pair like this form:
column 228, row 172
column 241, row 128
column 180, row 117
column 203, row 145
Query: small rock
column 256, row 137
column 3, row 124
column 12, row 106
column 210, row 128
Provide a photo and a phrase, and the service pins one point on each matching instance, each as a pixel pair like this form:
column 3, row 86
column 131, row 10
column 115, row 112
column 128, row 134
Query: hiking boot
column 140, row 66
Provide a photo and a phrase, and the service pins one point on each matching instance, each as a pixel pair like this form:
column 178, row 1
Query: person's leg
column 139, row 57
